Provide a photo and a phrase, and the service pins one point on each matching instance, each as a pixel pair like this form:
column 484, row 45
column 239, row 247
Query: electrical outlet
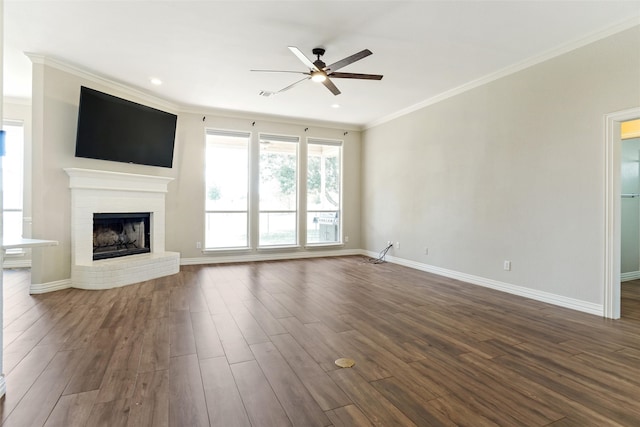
column 507, row 265
column 198, row 245
column 346, row 239
column 397, row 245
column 389, row 242
column 426, row 251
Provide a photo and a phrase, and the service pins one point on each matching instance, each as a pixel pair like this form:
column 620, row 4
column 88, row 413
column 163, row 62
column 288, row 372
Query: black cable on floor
column 381, row 255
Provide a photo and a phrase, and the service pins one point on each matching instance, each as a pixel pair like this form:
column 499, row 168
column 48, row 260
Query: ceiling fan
column 322, row 73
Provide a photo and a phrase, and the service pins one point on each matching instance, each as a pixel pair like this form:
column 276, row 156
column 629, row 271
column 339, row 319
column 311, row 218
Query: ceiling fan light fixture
column 318, row 76
column 319, row 72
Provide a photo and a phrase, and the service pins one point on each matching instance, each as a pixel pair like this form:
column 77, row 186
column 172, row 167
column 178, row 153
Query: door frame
column 612, row 209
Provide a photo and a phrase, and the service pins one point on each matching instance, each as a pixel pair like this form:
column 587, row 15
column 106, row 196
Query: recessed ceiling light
column 335, row 105
column 155, row 81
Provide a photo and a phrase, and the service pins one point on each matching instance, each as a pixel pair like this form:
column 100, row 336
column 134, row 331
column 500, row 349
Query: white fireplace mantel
column 118, row 181
column 95, row 191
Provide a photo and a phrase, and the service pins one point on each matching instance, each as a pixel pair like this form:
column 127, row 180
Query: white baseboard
column 559, row 300
column 41, row 288
column 631, row 275
column 267, row 256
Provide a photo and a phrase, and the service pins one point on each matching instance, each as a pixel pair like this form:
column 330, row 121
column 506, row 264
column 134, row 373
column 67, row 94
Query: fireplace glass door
column 120, row 234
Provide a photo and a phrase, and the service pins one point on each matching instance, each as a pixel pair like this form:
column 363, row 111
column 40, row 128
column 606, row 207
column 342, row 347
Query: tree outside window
column 278, row 191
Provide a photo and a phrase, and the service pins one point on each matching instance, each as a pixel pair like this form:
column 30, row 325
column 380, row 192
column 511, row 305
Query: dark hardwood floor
column 630, row 303
column 255, row 344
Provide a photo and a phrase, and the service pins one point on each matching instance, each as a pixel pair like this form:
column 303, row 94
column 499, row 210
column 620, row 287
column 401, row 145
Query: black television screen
column 111, row 128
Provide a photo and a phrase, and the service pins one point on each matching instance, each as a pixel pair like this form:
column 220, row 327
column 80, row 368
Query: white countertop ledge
column 27, row 243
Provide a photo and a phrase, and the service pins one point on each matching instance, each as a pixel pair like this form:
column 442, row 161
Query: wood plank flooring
column 254, row 345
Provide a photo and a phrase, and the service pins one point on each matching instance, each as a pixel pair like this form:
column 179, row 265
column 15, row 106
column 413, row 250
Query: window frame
column 300, row 208
column 279, row 138
column 333, row 143
column 247, row 212
column 13, row 209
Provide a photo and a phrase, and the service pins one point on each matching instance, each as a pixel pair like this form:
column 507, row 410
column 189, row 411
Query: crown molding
column 102, row 80
column 191, row 109
column 177, row 107
column 512, row 69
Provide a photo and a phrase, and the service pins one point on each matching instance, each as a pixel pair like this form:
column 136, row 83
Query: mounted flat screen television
column 111, row 128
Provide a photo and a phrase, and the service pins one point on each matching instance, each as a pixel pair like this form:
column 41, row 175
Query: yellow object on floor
column 345, row 363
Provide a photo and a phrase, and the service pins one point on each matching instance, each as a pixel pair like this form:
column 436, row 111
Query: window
column 323, row 191
column 278, row 190
column 252, row 191
column 13, row 178
column 227, row 189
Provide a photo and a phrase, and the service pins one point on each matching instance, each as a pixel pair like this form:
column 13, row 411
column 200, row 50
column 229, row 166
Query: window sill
column 225, row 250
column 324, row 245
column 283, row 248
column 15, row 253
column 276, row 248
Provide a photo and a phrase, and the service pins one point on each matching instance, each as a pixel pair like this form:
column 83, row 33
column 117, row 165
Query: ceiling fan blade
column 293, row 84
column 280, row 71
column 306, row 61
column 348, row 60
column 356, row 76
column 329, row 85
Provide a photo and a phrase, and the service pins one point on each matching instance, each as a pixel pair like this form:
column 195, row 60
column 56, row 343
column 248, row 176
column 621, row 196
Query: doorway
column 613, row 209
column 630, row 219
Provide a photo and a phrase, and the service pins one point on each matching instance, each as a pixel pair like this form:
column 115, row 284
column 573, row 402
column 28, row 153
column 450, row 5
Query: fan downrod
column 318, row 51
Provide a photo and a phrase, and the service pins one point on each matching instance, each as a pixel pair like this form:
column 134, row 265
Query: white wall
column 512, row 170
column 56, row 91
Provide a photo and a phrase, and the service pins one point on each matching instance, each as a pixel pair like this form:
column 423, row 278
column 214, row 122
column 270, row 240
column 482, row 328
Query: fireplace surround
column 102, row 192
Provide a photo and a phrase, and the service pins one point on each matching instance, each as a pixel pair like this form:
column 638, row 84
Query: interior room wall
column 630, row 207
column 511, row 170
column 56, row 91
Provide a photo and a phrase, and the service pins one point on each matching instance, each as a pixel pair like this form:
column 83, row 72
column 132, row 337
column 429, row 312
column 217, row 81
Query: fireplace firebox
column 121, row 234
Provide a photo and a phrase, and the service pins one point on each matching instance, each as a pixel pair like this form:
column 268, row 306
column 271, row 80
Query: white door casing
column 612, row 210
